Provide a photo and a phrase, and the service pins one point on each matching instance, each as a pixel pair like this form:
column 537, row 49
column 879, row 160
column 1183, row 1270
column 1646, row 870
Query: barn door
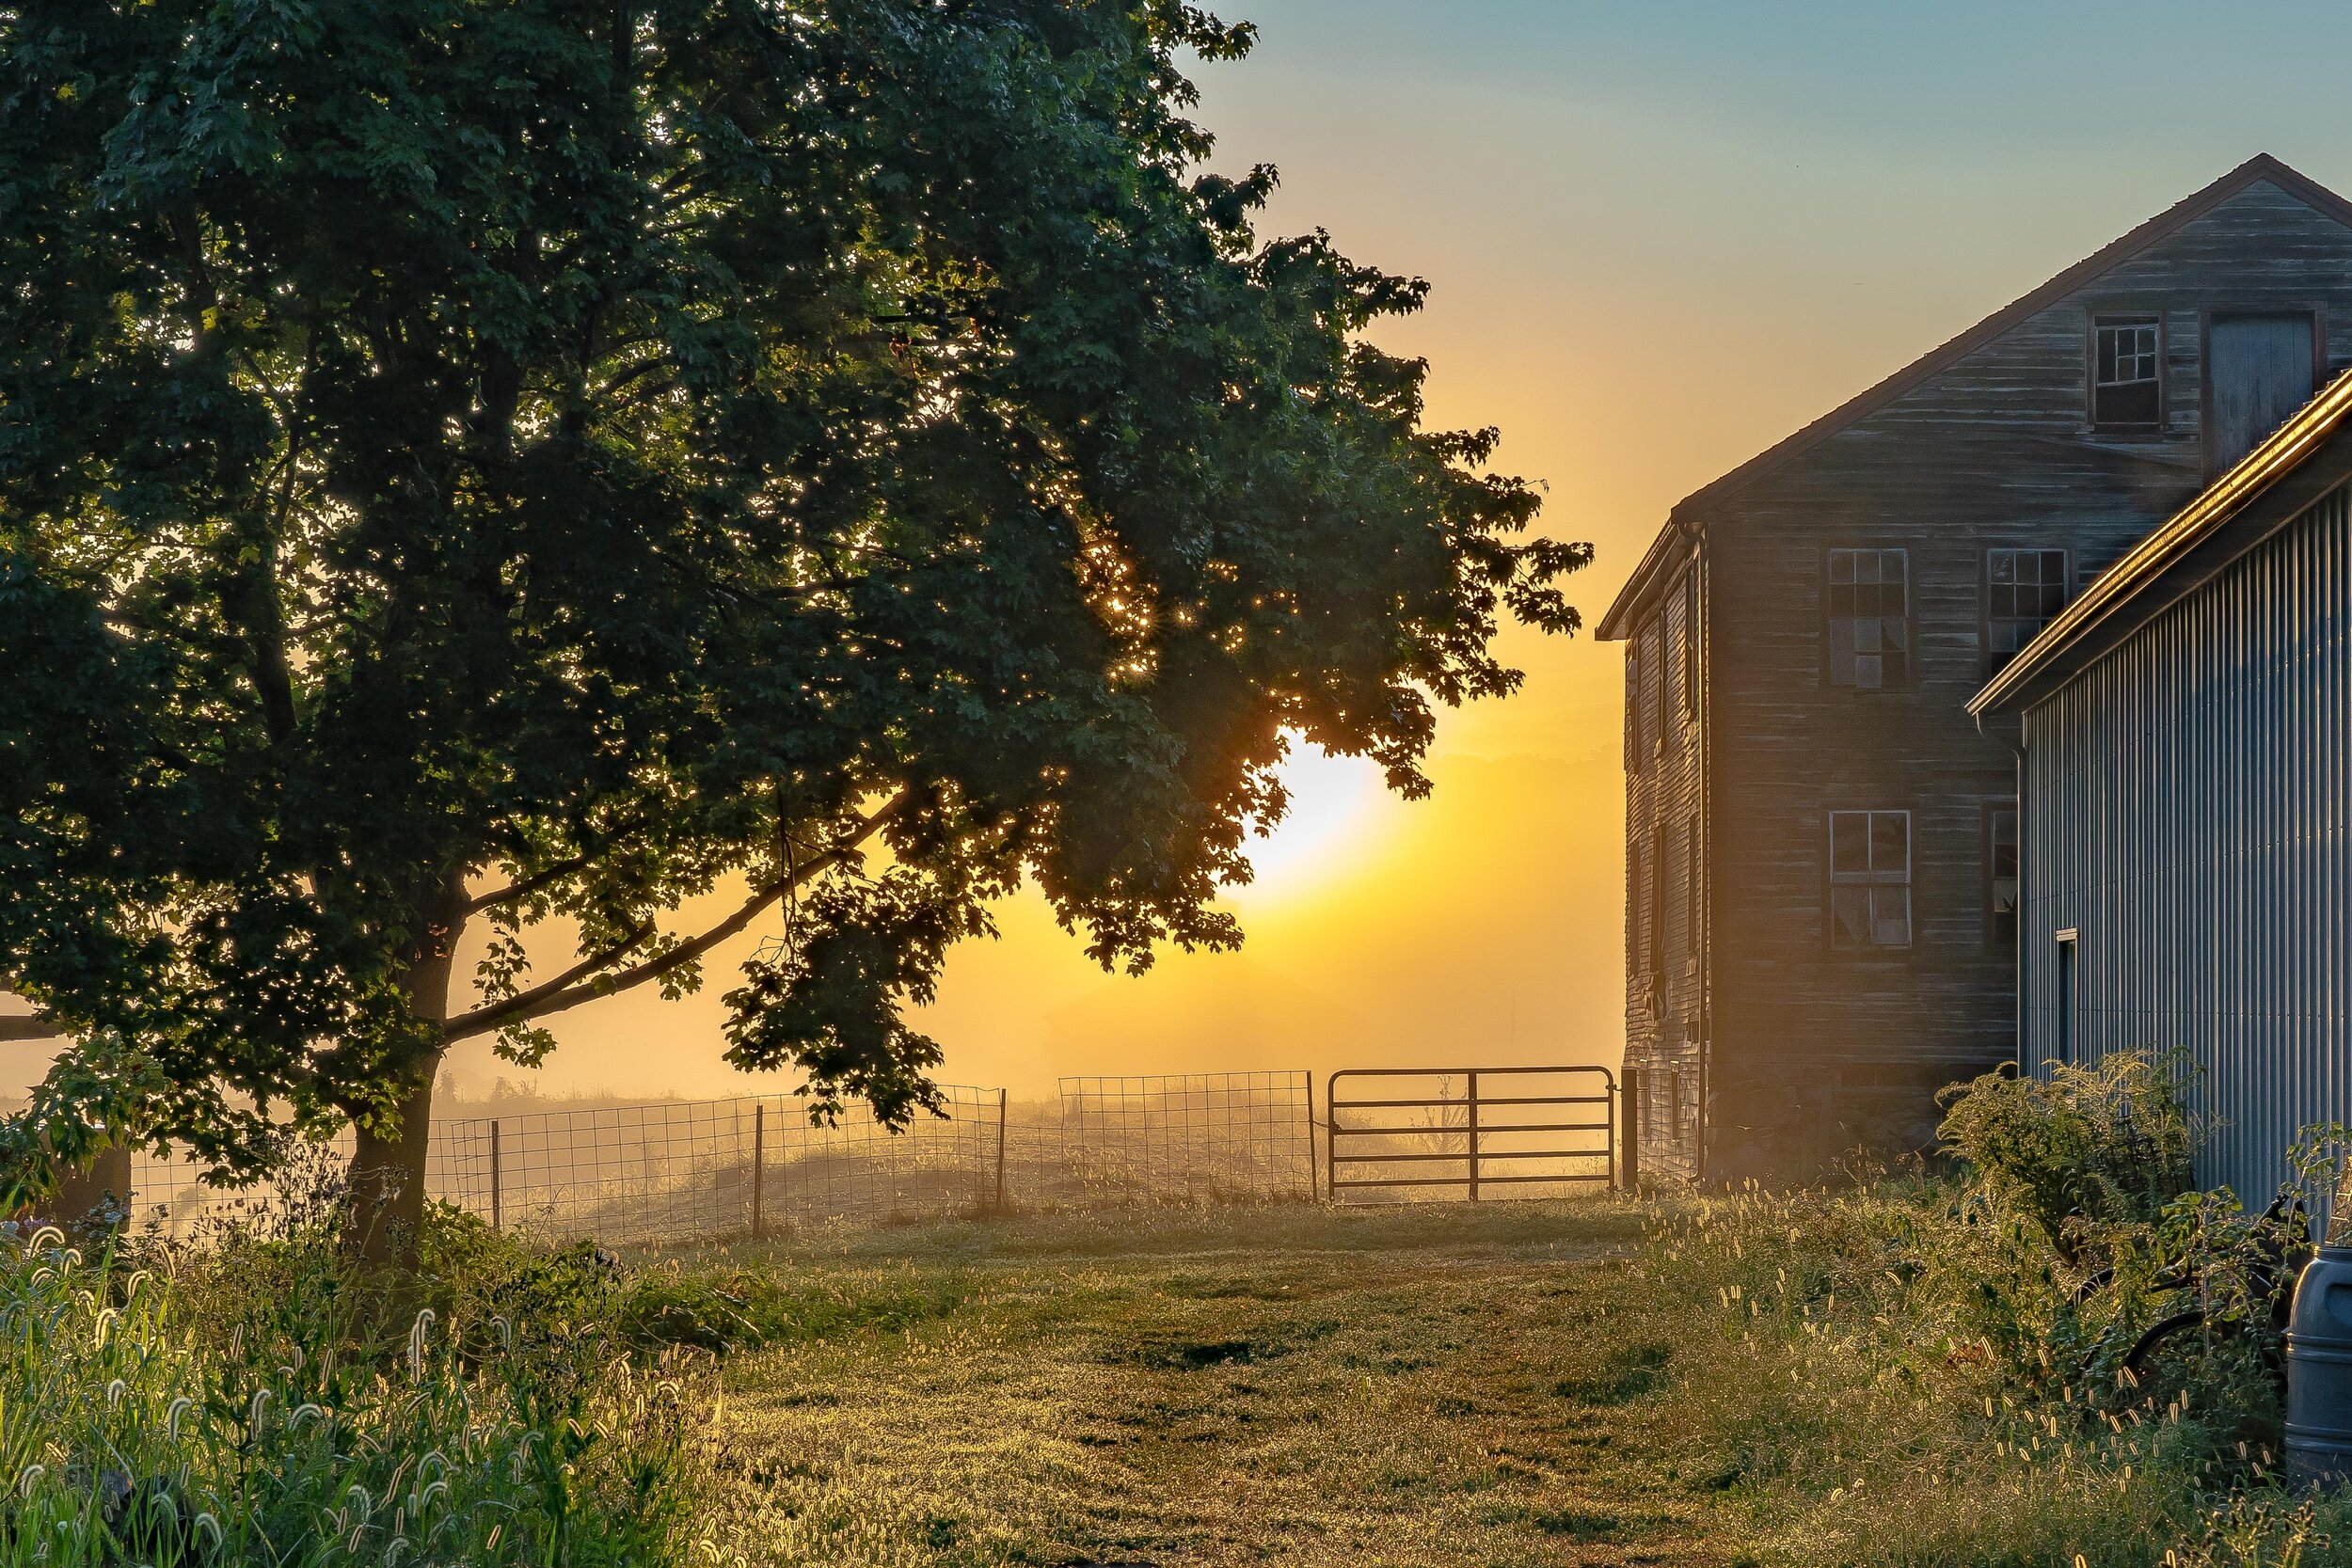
column 2258, row 370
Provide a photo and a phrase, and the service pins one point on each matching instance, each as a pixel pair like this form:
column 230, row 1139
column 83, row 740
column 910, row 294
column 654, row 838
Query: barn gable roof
column 2270, row 487
column 1684, row 523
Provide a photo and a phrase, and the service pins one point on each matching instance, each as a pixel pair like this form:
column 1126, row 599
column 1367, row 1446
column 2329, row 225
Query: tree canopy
column 535, row 462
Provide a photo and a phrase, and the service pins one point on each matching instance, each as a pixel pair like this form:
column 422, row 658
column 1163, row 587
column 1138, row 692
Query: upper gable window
column 1869, row 618
column 2125, row 386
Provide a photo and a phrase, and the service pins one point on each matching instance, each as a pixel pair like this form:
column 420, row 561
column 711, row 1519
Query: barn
column 2184, row 741
column 1820, row 898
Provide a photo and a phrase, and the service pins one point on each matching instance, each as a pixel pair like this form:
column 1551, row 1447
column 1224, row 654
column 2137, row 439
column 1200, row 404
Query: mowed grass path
column 1433, row 1384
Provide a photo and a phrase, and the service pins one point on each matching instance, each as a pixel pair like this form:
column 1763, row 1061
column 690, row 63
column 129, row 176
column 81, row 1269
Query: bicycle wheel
column 2182, row 1360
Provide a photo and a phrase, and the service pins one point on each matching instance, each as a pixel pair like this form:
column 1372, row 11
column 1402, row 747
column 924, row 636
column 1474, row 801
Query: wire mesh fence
column 722, row 1167
column 1214, row 1137
column 687, row 1170
column 706, row 1169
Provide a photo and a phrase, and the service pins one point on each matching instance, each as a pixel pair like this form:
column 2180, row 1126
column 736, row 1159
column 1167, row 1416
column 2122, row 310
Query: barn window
column 2124, row 387
column 1654, row 685
column 1633, row 704
column 1675, row 673
column 1870, row 878
column 2023, row 592
column 2000, row 876
column 1690, row 887
column 1691, row 643
column 1869, row 618
column 1657, row 901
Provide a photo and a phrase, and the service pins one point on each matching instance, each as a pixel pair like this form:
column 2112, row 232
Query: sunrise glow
column 1332, row 801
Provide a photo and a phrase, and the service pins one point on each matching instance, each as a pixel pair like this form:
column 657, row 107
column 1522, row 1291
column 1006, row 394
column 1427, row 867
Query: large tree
column 532, row 463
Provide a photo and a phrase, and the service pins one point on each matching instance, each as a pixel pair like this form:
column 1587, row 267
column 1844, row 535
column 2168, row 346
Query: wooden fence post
column 1473, row 1136
column 1004, row 1102
column 760, row 1169
column 498, row 1196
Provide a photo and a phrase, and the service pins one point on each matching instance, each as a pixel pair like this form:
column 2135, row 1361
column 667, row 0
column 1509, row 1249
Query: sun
column 1332, row 799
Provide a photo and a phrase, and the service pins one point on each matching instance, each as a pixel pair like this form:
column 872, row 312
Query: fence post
column 1004, row 1100
column 498, row 1196
column 1474, row 1136
column 759, row 1167
column 1629, row 1131
column 1314, row 1189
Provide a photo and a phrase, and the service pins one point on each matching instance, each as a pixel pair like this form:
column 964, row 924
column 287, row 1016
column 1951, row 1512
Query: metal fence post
column 1004, row 1102
column 759, row 1167
column 497, row 1206
column 1629, row 1131
column 1314, row 1188
column 1474, row 1136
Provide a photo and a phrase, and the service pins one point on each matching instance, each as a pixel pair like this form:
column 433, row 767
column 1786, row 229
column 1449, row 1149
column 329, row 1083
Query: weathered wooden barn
column 1821, row 847
column 2185, row 781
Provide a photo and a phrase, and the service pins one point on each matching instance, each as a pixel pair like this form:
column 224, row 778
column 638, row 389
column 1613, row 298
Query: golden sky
column 1660, row 236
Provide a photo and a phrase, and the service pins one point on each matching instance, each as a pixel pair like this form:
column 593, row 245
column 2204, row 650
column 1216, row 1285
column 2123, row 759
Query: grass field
column 1759, row 1378
column 1408, row 1385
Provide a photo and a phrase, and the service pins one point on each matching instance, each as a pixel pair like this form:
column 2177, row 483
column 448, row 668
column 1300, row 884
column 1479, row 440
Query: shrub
column 2087, row 1146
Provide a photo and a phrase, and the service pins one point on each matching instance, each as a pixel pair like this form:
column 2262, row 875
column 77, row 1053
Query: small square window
column 2127, row 387
column 2023, row 592
column 1869, row 877
column 1869, row 618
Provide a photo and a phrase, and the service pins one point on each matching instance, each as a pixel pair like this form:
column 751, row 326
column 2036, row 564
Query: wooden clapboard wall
column 1783, row 1050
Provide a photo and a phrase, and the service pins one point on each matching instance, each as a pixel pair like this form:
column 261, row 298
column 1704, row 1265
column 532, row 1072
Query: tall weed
column 2090, row 1146
column 240, row 1409
column 1916, row 1371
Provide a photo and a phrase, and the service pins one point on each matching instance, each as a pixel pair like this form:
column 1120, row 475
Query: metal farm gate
column 1403, row 1132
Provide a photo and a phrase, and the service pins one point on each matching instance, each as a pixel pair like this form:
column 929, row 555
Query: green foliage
column 1897, row 1379
column 538, row 461
column 233, row 1414
column 2086, row 1147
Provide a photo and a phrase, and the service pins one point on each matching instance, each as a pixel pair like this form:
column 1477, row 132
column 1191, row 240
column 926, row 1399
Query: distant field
column 1434, row 1386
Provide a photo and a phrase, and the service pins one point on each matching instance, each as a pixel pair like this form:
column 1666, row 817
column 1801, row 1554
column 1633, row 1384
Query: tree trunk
column 388, row 1168
column 94, row 1195
column 388, row 1183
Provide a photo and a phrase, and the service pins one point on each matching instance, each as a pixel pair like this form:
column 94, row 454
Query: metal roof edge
column 2044, row 660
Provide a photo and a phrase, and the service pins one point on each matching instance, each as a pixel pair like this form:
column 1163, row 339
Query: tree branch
column 582, row 983
column 522, row 888
column 525, row 1003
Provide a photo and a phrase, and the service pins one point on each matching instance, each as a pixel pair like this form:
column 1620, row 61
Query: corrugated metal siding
column 2184, row 810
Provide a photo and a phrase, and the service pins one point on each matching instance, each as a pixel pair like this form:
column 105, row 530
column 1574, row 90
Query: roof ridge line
column 1685, row 513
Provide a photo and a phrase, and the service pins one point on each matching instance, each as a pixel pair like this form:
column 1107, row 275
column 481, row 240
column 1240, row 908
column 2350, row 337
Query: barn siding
column 2187, row 819
column 1810, row 1050
column 1665, row 789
